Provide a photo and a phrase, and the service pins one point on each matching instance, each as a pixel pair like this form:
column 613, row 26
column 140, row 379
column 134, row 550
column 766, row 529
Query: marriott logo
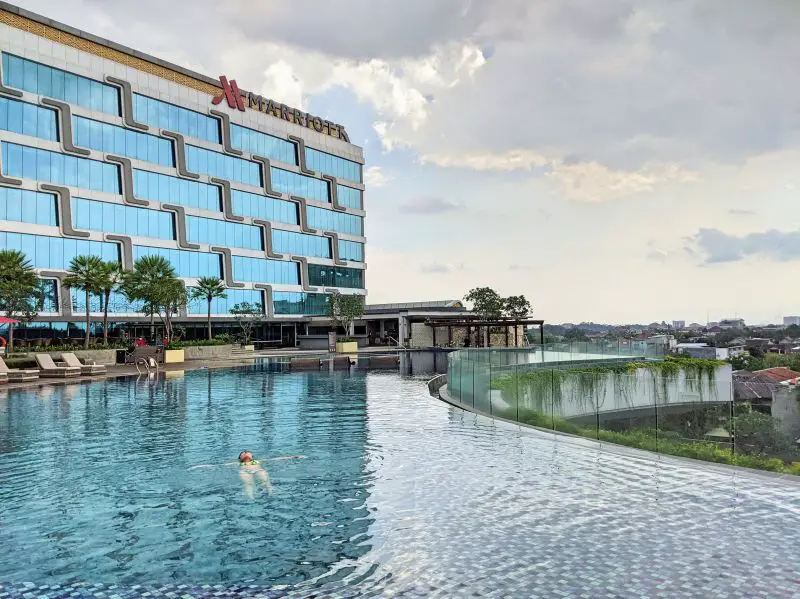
column 236, row 100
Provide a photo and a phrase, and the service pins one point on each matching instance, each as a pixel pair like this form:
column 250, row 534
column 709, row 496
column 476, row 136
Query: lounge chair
column 16, row 375
column 48, row 368
column 71, row 359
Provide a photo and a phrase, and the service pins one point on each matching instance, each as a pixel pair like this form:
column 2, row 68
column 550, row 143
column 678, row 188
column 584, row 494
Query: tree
column 153, row 281
column 20, row 294
column 344, row 309
column 486, row 302
column 209, row 288
column 247, row 316
column 110, row 280
column 85, row 274
column 516, row 306
column 575, row 334
column 756, row 433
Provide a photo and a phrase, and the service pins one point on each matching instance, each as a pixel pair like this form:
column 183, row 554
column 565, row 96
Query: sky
column 612, row 160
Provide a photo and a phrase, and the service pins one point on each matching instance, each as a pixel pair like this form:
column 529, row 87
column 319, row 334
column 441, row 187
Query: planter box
column 207, row 352
column 98, row 356
column 347, row 347
column 173, row 356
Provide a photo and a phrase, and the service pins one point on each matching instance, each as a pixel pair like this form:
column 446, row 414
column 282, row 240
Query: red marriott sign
column 235, row 99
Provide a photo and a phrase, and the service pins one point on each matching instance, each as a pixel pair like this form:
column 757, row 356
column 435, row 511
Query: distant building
column 791, row 320
column 731, row 323
column 679, row 324
column 706, row 352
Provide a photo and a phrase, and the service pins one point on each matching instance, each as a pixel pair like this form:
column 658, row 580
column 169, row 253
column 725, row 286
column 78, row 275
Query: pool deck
column 129, row 370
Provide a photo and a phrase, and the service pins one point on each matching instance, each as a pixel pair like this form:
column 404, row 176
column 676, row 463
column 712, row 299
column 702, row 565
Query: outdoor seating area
column 69, row 366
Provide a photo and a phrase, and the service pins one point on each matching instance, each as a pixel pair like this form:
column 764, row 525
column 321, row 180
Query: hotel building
column 111, row 152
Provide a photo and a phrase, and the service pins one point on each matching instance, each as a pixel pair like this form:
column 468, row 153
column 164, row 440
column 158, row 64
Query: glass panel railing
column 629, row 394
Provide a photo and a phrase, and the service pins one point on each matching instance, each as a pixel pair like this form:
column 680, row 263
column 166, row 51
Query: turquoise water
column 399, row 495
column 97, row 482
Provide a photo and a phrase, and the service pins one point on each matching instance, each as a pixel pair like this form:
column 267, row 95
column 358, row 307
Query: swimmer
column 251, row 470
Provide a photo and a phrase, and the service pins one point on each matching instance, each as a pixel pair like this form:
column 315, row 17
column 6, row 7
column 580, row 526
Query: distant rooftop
column 452, row 304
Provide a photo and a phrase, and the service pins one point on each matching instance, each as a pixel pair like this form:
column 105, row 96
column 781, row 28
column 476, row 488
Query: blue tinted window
column 351, row 250
column 36, row 78
column 302, row 244
column 335, row 276
column 117, row 303
column 54, row 167
column 57, row 252
column 299, row 185
column 224, row 305
column 224, row 233
column 118, row 140
column 118, row 218
column 175, row 118
column 329, row 220
column 260, row 206
column 349, row 197
column 293, row 302
column 172, row 190
column 28, row 119
column 261, row 270
column 49, row 289
column 27, row 206
column 223, row 166
column 262, row 144
column 186, row 263
column 333, row 165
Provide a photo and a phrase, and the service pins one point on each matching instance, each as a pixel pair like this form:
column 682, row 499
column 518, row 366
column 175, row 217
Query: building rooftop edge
column 22, row 12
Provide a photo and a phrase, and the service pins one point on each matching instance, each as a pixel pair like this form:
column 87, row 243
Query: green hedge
column 666, row 442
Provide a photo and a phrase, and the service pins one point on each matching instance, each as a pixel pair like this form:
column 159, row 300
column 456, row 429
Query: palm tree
column 19, row 289
column 209, row 288
column 110, row 281
column 154, row 282
column 85, row 274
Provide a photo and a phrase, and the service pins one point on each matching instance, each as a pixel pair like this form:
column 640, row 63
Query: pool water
column 398, row 495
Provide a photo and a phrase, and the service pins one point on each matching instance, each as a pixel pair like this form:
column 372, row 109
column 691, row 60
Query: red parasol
column 4, row 320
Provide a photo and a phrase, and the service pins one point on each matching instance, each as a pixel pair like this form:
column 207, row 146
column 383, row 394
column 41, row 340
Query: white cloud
column 375, row 177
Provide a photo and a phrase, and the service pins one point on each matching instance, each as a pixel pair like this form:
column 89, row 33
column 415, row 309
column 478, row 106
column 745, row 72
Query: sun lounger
column 48, row 368
column 71, row 359
column 16, row 375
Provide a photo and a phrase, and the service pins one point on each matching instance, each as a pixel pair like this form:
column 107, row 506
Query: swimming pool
column 399, row 495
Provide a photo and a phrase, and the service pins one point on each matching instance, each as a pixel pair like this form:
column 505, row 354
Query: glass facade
column 216, row 164
column 335, row 276
column 224, row 233
column 118, row 218
column 175, row 118
column 49, row 289
column 299, row 185
column 341, row 168
column 223, row 305
column 300, row 244
column 185, row 262
column 172, row 190
column 36, row 78
column 349, row 197
column 351, row 250
column 260, row 270
column 293, row 302
column 56, row 252
column 329, row 220
column 28, row 119
column 118, row 140
column 117, row 303
column 53, row 167
column 262, row 144
column 89, row 178
column 28, row 206
column 263, row 207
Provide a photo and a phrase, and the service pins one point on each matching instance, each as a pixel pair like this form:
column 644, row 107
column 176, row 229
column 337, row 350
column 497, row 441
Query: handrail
column 150, row 365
